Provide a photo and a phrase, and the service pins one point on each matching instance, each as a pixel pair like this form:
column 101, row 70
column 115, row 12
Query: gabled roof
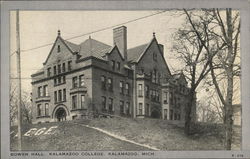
column 73, row 47
column 91, row 47
column 178, row 76
column 136, row 52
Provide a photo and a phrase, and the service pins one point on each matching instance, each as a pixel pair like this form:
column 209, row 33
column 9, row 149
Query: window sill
column 59, row 84
column 60, row 102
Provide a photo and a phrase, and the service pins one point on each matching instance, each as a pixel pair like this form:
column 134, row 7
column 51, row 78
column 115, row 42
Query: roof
column 89, row 47
column 73, row 47
column 176, row 76
column 136, row 52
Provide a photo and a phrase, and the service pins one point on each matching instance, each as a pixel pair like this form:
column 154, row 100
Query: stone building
column 77, row 81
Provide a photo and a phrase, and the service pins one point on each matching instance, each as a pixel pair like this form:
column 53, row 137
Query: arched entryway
column 60, row 114
column 155, row 114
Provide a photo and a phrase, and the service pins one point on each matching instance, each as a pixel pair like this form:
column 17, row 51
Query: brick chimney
column 120, row 40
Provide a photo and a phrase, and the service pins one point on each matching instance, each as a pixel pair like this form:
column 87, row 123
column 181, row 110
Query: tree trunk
column 188, row 121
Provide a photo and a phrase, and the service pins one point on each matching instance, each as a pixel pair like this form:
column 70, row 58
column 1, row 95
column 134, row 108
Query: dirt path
column 119, row 137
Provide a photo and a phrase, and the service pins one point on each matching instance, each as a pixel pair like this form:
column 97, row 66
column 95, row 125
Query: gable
column 55, row 56
column 115, row 54
column 135, row 53
column 147, row 62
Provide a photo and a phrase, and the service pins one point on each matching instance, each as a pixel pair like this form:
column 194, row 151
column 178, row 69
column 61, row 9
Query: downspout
column 134, row 90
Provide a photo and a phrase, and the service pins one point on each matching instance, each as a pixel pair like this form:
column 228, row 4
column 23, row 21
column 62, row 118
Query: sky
column 38, row 28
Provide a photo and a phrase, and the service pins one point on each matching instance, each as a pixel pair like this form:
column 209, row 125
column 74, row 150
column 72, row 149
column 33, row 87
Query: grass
column 161, row 134
column 69, row 136
column 167, row 136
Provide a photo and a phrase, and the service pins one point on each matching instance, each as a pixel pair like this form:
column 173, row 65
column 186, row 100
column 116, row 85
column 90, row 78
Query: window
column 74, row 102
column 157, row 97
column 46, row 109
column 140, row 108
column 103, row 79
column 154, row 77
column 166, row 98
column 122, row 110
column 121, row 87
column 54, row 70
column 113, row 64
column 60, row 95
column 111, row 108
column 59, row 68
column 82, row 101
column 118, row 66
column 59, row 80
column 64, row 94
column 153, row 95
column 171, row 114
column 104, row 103
column 171, row 98
column 40, row 91
column 45, row 90
column 69, row 65
column 55, row 81
column 39, row 110
column 147, row 91
column 165, row 113
column 147, row 109
column 49, row 72
column 58, row 48
column 74, row 82
column 127, row 88
column 63, row 67
column 81, row 81
column 55, row 96
column 140, row 90
column 128, row 108
column 110, row 84
column 159, row 78
column 64, row 79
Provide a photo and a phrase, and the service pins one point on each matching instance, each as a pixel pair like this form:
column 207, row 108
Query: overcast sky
column 40, row 27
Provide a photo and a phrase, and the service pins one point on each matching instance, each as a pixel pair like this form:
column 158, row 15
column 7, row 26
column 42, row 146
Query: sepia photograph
column 125, row 79
column 161, row 80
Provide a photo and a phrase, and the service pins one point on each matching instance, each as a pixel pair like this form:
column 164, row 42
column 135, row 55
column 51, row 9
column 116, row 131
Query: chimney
column 161, row 47
column 120, row 40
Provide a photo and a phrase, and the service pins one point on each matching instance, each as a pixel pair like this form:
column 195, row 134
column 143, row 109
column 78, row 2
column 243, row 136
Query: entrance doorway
column 60, row 114
column 155, row 114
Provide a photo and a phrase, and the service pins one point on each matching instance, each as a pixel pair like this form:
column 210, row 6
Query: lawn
column 165, row 135
column 69, row 136
column 160, row 134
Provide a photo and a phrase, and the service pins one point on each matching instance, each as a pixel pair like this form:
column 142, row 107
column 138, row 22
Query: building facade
column 93, row 78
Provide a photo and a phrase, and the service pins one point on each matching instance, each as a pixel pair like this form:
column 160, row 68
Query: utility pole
column 19, row 99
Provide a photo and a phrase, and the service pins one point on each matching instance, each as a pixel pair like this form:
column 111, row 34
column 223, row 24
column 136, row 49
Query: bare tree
column 191, row 44
column 26, row 105
column 221, row 45
column 225, row 60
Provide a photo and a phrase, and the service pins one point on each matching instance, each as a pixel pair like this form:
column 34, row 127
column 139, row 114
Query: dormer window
column 58, row 48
